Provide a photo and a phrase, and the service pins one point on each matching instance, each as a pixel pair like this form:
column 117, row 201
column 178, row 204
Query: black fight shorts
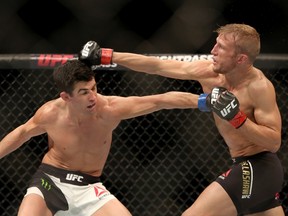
column 254, row 182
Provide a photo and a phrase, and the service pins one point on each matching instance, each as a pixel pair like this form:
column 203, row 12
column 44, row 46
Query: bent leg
column 213, row 201
column 112, row 208
column 35, row 205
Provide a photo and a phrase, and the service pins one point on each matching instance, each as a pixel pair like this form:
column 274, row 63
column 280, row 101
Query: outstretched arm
column 19, row 136
column 93, row 54
column 133, row 106
column 167, row 68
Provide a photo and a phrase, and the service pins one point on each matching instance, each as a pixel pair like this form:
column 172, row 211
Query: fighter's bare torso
column 245, row 81
column 248, row 93
column 77, row 142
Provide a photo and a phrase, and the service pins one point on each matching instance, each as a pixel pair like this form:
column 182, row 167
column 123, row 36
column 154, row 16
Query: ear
column 242, row 58
column 65, row 96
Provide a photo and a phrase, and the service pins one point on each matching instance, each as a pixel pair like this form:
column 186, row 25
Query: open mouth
column 214, row 61
column 91, row 106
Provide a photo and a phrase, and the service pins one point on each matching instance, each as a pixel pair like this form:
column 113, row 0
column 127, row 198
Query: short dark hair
column 70, row 73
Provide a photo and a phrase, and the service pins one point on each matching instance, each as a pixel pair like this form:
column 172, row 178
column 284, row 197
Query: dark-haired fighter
column 79, row 125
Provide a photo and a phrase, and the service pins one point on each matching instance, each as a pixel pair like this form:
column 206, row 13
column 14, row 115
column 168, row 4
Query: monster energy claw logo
column 45, row 184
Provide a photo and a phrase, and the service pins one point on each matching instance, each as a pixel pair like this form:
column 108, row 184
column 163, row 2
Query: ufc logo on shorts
column 85, row 51
column 74, row 177
column 225, row 111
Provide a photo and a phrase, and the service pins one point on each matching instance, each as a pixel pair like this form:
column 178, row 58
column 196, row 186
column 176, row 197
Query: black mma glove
column 206, row 101
column 93, row 54
column 227, row 108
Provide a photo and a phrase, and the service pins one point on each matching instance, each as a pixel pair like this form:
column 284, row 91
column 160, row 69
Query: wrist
column 202, row 103
column 106, row 56
column 238, row 120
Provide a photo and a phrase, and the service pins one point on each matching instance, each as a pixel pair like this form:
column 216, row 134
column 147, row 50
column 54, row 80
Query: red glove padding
column 238, row 120
column 106, row 56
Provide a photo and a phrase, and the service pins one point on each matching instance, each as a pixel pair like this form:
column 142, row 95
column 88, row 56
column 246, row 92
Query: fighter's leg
column 33, row 204
column 271, row 212
column 213, row 201
column 112, row 208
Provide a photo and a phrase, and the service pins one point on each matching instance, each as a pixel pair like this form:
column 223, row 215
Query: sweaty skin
column 262, row 130
column 80, row 127
column 231, row 67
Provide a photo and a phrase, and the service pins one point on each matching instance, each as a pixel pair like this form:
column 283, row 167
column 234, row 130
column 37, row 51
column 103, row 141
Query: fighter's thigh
column 112, row 208
column 35, row 205
column 213, row 201
column 271, row 212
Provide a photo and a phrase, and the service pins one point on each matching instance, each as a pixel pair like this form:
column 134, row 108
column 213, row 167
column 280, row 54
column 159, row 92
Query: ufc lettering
column 74, row 177
column 214, row 95
column 225, row 111
column 52, row 60
column 85, row 51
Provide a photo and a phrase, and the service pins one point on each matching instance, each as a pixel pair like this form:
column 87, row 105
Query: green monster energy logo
column 45, row 184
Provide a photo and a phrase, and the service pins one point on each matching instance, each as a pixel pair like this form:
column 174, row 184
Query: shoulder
column 107, row 103
column 52, row 106
column 202, row 69
column 260, row 83
column 110, row 107
column 49, row 111
column 261, row 88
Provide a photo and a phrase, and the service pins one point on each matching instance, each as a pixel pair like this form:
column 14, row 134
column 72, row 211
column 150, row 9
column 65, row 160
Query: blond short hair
column 247, row 39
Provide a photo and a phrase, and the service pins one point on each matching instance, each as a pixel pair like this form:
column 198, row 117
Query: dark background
column 144, row 26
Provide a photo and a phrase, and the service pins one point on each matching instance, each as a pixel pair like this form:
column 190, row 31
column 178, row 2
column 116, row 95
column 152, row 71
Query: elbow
column 276, row 144
column 276, row 147
column 274, row 141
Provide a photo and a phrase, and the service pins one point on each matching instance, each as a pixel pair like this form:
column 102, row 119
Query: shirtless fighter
column 247, row 117
column 79, row 125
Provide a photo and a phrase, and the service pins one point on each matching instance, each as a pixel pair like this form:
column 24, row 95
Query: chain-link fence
column 158, row 164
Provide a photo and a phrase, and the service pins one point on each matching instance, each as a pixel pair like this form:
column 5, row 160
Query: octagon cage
column 159, row 163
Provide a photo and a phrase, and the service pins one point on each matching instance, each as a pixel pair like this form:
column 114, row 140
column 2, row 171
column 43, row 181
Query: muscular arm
column 200, row 70
column 19, row 136
column 266, row 131
column 195, row 70
column 129, row 107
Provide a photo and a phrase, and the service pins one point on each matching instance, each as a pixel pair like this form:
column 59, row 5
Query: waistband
column 70, row 177
column 255, row 156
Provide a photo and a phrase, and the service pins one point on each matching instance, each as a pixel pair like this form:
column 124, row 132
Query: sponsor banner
column 49, row 61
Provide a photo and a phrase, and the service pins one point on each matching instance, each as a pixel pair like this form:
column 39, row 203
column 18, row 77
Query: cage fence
column 159, row 163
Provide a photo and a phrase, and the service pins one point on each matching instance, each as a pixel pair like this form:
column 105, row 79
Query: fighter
column 246, row 115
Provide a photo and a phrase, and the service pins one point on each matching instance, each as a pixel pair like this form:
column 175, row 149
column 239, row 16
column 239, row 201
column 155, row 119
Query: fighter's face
column 224, row 54
column 85, row 95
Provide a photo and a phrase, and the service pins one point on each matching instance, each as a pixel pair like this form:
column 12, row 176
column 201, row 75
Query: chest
column 94, row 132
